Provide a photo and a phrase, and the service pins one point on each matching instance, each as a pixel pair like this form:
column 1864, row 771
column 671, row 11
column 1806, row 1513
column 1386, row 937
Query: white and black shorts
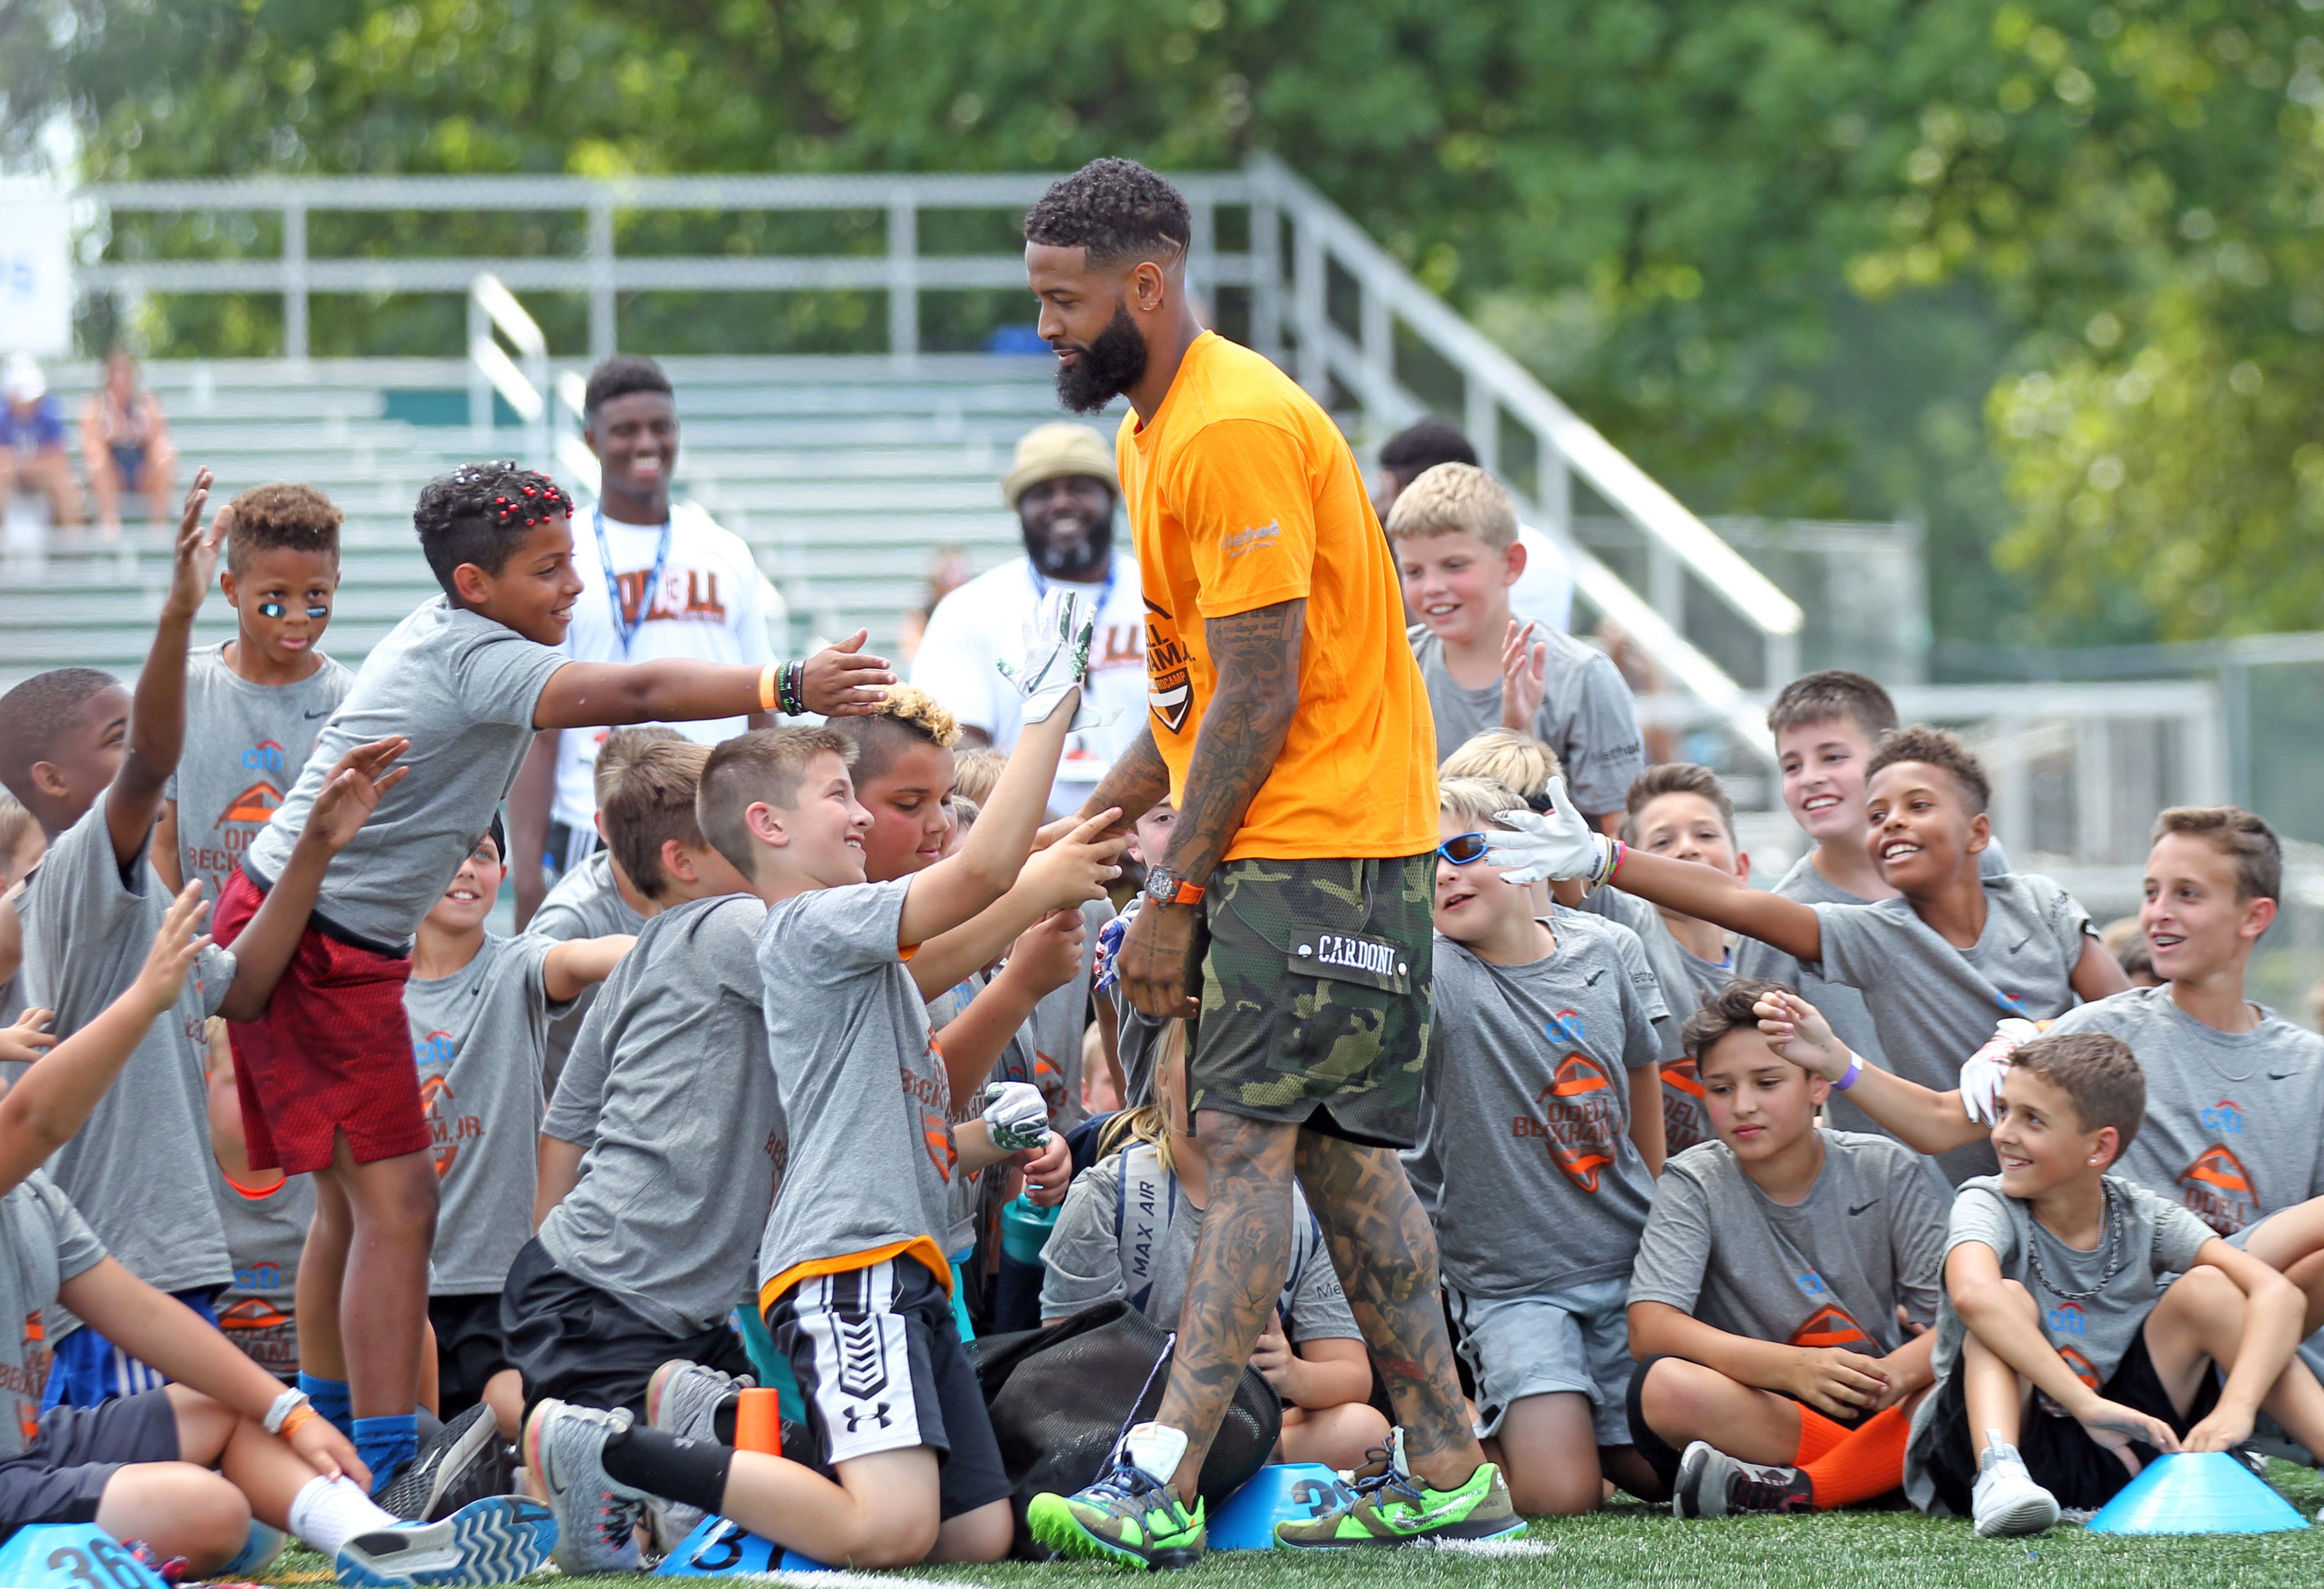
column 879, row 1364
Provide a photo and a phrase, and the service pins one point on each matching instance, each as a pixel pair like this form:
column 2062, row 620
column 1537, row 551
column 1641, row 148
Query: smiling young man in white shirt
column 686, row 588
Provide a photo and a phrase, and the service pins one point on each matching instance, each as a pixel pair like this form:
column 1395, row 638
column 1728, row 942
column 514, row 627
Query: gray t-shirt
column 464, row 689
column 47, row 1242
column 244, row 743
column 141, row 1166
column 1586, row 715
column 1525, row 1157
column 1128, row 1230
column 265, row 1233
column 1934, row 1005
column 1055, row 1030
column 965, row 1193
column 1138, row 1043
column 478, row 1037
column 2157, row 1238
column 1828, row 1271
column 1685, row 979
column 2234, row 1120
column 685, row 1139
column 862, row 1085
column 585, row 903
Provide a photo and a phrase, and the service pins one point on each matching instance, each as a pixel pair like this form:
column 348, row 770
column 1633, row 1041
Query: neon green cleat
column 1126, row 1517
column 1391, row 1507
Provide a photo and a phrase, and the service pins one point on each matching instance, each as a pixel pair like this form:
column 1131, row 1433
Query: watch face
column 1162, row 885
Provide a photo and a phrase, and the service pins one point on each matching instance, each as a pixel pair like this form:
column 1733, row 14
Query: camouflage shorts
column 1314, row 994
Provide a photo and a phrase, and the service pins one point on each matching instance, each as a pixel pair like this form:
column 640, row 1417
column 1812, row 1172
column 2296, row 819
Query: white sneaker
column 2006, row 1501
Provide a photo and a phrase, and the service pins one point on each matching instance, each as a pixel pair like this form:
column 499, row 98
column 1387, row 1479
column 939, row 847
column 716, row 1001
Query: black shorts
column 1657, row 1450
column 577, row 1343
column 62, row 1476
column 469, row 1348
column 2059, row 1452
column 1316, row 979
column 879, row 1364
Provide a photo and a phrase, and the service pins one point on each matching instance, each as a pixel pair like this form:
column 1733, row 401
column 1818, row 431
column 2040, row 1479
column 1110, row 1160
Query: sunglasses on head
column 1464, row 849
column 275, row 609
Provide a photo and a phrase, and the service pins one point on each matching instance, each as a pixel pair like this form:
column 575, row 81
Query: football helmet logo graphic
column 1834, row 1325
column 2217, row 1190
column 1578, row 1110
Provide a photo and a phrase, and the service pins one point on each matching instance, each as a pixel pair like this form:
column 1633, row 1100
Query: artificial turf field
column 1632, row 1544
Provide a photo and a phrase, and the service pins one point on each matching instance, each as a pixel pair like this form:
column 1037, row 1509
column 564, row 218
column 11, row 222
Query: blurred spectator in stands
column 33, row 441
column 1064, row 492
column 2131, row 951
column 1544, row 590
column 124, row 445
column 948, row 570
column 1638, row 671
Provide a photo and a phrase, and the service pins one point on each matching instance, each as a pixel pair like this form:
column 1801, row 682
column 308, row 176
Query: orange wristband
column 768, row 677
column 298, row 1418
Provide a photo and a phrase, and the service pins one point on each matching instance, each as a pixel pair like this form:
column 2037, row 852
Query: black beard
column 1074, row 562
column 1107, row 367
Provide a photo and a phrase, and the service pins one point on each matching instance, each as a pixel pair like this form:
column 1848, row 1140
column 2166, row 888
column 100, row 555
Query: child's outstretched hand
column 840, row 681
column 351, row 793
column 24, row 1043
column 1982, row 1072
column 194, row 562
column 1057, row 652
column 1525, row 670
column 163, row 976
column 1078, row 867
column 1797, row 1031
column 1049, row 1171
column 1048, row 954
column 1534, row 847
column 2115, row 1427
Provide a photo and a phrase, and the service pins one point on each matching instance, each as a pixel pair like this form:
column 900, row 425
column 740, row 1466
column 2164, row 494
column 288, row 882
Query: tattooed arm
column 1243, row 729
column 1133, row 786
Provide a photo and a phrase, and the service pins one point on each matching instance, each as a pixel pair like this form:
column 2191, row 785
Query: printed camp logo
column 1169, row 676
column 2217, row 1188
column 1834, row 1325
column 2083, row 1369
column 255, row 804
column 2067, row 1318
column 1580, row 1113
column 931, row 1096
column 1684, row 1120
column 2224, row 1118
column 448, row 1130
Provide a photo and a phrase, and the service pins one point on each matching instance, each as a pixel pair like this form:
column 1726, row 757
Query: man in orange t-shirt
column 1289, row 918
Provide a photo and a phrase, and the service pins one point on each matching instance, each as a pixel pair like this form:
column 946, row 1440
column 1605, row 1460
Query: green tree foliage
column 1849, row 258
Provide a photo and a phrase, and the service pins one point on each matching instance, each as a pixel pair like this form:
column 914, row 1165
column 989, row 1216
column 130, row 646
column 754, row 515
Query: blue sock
column 386, row 1445
column 331, row 1399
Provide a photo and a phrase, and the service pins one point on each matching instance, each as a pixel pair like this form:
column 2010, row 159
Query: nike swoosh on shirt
column 1860, row 1207
column 310, row 716
column 1591, row 981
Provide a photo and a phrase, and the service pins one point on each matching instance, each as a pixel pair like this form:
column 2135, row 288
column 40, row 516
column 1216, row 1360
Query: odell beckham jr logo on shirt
column 1169, row 681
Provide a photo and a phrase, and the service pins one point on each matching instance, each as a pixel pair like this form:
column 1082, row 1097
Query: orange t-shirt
column 1242, row 493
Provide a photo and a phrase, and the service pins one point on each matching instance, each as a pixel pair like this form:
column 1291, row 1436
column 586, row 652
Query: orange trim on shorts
column 254, row 1194
column 923, row 1248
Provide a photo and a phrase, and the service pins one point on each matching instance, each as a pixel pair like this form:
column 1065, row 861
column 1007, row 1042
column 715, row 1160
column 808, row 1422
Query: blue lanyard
column 1041, row 583
column 624, row 625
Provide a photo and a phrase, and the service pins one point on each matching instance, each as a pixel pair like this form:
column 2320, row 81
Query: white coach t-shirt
column 712, row 606
column 982, row 623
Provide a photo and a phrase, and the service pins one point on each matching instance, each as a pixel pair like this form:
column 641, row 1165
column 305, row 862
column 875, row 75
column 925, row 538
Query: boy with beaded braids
column 326, row 1076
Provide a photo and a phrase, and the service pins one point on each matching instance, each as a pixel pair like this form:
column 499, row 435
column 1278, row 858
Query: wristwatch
column 1165, row 887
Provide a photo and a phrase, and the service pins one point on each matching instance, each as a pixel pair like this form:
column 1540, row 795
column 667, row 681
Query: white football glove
column 1017, row 1114
column 1056, row 652
column 1981, row 1073
column 1552, row 848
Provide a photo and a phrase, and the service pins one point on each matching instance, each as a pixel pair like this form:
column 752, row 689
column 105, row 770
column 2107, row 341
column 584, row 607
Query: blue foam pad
column 720, row 1550
column 51, row 1556
column 2196, row 1493
column 1282, row 1491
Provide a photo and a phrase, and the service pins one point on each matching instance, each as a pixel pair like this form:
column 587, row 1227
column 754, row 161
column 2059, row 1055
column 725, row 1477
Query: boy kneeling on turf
column 2063, row 1365
column 1764, row 1303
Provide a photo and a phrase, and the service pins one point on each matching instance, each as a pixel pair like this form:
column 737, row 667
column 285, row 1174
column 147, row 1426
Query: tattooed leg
column 1385, row 1252
column 1237, row 1278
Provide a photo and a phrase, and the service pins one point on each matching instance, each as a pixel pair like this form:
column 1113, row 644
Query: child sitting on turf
column 1311, row 1351
column 1682, row 810
column 188, row 1467
column 853, row 1280
column 327, row 1082
column 1547, row 1025
column 1765, row 1300
column 1934, row 964
column 255, row 704
column 1454, row 529
column 266, row 1215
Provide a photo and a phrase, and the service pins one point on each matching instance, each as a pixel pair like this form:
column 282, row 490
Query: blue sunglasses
column 275, row 609
column 1464, row 849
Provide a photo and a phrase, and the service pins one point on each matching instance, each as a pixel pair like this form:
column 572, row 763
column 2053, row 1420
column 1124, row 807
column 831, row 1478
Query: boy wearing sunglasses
column 254, row 703
column 1541, row 1132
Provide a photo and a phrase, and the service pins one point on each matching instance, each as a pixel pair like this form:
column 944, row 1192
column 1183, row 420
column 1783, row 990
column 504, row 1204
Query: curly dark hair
column 280, row 517
column 1936, row 747
column 1115, row 208
column 479, row 514
column 619, row 377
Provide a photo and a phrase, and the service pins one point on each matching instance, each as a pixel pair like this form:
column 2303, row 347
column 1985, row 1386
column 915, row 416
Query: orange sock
column 1818, row 1435
column 1868, row 1463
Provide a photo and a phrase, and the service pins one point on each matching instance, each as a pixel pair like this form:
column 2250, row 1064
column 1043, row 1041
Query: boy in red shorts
column 325, row 1077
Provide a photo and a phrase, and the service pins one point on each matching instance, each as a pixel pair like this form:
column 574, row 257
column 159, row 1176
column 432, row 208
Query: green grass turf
column 1630, row 1544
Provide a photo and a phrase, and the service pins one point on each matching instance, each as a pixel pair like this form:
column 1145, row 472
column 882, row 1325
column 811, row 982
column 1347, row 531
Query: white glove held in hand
column 1552, row 848
column 1981, row 1073
column 1017, row 1114
column 1056, row 652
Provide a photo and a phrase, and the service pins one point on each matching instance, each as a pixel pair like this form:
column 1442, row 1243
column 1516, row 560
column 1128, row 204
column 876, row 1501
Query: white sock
column 327, row 1513
column 1156, row 1450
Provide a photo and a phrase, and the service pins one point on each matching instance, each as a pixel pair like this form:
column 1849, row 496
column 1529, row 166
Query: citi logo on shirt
column 2225, row 1117
column 2014, row 1003
column 436, row 1048
column 265, row 756
column 2067, row 1318
column 1564, row 1027
column 1812, row 1286
column 259, row 1277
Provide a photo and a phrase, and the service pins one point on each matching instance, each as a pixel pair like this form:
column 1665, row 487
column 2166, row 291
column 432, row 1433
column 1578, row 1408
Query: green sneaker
column 1126, row 1517
column 1389, row 1506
